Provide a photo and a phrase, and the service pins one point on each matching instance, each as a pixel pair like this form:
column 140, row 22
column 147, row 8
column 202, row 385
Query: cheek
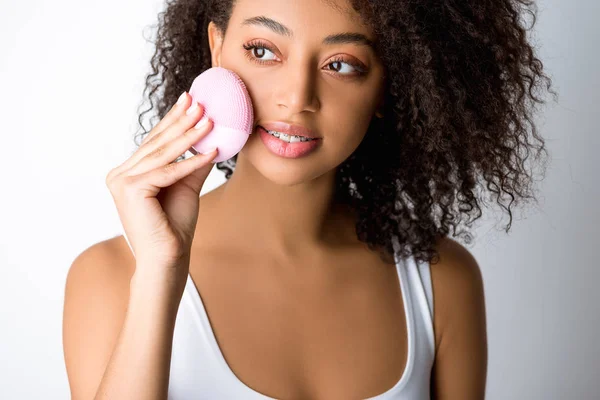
column 344, row 139
column 354, row 102
column 260, row 89
column 259, row 85
column 347, row 127
column 352, row 117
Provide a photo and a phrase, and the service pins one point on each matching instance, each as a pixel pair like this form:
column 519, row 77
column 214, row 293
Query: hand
column 158, row 199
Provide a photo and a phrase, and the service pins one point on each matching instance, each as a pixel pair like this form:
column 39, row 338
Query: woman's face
column 292, row 75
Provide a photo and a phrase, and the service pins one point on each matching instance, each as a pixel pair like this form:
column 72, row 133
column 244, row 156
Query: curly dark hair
column 462, row 86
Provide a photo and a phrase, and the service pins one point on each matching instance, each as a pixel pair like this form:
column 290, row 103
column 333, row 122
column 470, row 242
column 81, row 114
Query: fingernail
column 209, row 151
column 192, row 108
column 202, row 123
column 181, row 98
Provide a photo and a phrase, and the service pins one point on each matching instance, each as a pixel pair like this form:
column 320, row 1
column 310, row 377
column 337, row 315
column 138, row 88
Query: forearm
column 140, row 363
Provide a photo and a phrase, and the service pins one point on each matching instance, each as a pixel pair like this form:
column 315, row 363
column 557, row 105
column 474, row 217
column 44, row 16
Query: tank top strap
column 419, row 280
column 122, row 231
column 424, row 271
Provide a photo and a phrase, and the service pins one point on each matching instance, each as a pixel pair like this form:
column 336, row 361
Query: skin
column 276, row 264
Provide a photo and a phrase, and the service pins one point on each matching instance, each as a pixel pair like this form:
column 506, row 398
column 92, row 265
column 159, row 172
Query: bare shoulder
column 460, row 366
column 456, row 270
column 109, row 257
column 95, row 301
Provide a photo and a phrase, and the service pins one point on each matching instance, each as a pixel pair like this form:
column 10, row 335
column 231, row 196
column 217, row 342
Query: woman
column 325, row 276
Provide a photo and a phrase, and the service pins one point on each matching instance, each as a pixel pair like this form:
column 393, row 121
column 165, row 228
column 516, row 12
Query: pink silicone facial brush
column 226, row 101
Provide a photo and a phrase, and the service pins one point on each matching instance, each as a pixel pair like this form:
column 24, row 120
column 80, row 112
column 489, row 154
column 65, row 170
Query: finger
column 171, row 132
column 177, row 207
column 181, row 124
column 196, row 179
column 167, row 175
column 167, row 153
column 175, row 112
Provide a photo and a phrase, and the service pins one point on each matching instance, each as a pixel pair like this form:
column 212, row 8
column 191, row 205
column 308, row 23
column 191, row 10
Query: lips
column 286, row 149
column 290, row 129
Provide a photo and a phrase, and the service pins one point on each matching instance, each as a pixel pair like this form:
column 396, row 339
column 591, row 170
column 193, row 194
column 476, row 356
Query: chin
column 285, row 172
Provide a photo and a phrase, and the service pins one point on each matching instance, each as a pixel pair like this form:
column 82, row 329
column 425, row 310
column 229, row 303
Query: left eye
column 339, row 63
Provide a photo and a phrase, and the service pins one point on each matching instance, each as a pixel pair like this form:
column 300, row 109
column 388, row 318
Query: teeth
column 289, row 138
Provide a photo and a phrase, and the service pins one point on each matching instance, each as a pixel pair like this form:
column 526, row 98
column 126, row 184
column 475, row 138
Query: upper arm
column 95, row 303
column 460, row 367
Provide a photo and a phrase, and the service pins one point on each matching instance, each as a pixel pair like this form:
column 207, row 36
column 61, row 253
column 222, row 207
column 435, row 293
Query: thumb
column 196, row 179
column 183, row 200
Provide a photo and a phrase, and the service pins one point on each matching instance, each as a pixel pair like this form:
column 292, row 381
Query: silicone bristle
column 233, row 110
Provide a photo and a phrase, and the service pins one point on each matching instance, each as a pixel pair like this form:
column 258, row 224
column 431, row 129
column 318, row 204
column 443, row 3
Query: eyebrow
column 338, row 38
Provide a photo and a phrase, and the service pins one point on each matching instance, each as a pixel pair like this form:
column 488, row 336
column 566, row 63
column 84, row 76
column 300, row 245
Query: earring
column 378, row 114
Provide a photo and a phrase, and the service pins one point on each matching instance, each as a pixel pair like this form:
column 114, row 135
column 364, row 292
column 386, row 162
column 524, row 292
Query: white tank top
column 199, row 370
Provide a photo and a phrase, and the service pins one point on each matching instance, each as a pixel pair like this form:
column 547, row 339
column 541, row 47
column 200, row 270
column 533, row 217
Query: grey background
column 72, row 75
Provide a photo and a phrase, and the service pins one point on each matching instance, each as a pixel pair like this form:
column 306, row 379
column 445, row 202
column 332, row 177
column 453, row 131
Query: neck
column 286, row 221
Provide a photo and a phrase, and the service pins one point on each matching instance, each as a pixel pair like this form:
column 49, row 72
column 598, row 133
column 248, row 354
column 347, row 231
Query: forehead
column 303, row 17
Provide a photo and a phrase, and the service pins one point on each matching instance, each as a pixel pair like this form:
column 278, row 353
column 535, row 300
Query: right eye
column 257, row 47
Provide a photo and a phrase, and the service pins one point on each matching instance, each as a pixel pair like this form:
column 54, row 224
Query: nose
column 297, row 91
